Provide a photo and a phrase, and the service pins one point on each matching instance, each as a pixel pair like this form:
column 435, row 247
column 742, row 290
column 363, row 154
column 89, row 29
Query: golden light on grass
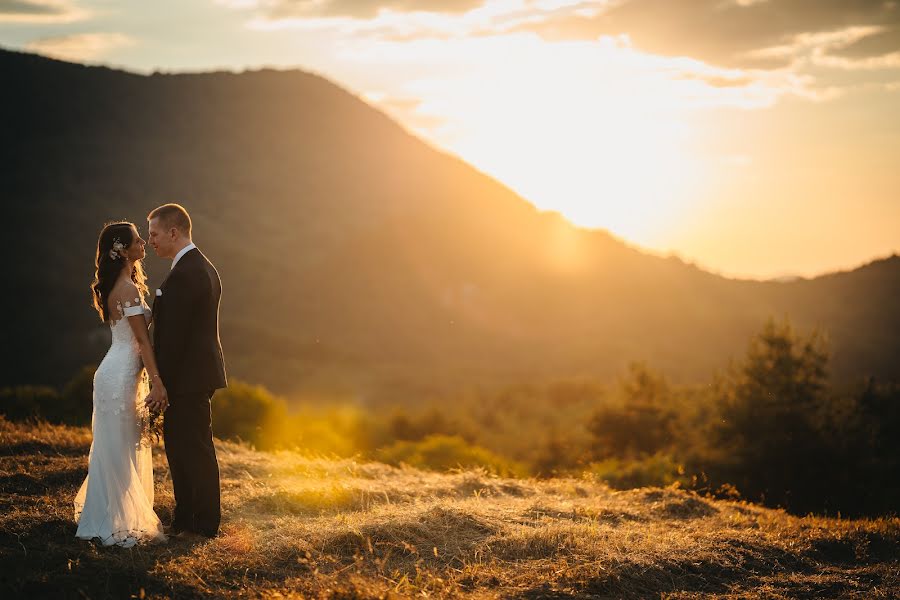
column 296, row 526
column 237, row 538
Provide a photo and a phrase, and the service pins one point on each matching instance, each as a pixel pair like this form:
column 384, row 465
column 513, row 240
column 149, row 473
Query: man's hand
column 150, row 400
column 158, row 399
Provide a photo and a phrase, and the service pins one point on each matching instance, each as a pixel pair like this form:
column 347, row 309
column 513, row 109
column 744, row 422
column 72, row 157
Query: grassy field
column 297, row 526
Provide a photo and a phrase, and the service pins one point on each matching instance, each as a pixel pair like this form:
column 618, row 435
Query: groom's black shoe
column 172, row 530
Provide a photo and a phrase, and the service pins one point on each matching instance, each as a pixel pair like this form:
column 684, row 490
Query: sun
column 610, row 169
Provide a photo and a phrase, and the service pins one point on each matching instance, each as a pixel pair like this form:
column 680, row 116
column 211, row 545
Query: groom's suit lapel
column 157, row 300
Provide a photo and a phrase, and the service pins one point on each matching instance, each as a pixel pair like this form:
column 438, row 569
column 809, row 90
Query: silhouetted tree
column 873, row 460
column 642, row 424
column 772, row 409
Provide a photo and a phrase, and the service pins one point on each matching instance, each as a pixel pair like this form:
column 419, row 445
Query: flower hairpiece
column 117, row 249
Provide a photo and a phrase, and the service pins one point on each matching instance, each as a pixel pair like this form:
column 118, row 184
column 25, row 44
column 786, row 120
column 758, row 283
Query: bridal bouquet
column 150, row 423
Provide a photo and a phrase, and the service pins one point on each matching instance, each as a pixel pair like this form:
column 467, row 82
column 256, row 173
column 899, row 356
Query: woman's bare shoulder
column 125, row 291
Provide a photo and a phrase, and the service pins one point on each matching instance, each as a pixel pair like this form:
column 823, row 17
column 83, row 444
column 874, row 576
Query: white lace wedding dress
column 115, row 502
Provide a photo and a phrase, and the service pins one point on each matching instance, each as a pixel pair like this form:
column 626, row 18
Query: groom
column 189, row 355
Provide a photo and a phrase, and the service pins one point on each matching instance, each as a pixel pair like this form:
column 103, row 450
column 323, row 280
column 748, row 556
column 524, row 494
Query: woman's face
column 135, row 251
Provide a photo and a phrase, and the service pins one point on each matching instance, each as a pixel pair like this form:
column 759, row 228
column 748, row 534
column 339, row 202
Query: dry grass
column 297, row 526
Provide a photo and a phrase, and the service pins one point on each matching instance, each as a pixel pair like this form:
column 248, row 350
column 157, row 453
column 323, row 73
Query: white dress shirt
column 182, row 252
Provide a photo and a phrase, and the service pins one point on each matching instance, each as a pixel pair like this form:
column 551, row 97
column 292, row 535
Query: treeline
column 770, row 428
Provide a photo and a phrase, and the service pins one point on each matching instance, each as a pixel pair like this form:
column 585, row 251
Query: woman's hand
column 163, row 397
column 158, row 400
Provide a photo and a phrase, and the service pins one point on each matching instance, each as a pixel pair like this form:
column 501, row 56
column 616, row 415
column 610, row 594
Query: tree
column 771, row 409
column 642, row 424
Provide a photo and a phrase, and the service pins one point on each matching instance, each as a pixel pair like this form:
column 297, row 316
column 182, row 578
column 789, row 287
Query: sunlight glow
column 594, row 131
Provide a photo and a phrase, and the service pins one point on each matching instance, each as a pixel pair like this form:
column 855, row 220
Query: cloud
column 549, row 75
column 884, row 41
column 401, row 20
column 40, row 11
column 726, row 32
column 80, row 47
column 355, row 9
column 745, row 34
column 739, row 53
column 719, row 81
column 829, row 50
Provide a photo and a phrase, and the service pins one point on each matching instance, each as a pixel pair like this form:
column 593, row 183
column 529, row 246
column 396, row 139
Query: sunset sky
column 756, row 138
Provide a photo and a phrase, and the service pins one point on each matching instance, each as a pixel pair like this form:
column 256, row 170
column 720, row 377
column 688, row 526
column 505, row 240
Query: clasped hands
column 158, row 399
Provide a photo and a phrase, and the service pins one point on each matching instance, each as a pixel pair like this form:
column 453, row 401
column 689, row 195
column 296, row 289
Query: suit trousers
column 187, row 432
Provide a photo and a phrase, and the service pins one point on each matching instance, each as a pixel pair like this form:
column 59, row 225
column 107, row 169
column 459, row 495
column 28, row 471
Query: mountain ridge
column 687, row 260
column 354, row 255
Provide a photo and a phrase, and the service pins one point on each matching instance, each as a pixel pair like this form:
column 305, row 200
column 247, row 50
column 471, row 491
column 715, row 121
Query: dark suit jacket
column 186, row 327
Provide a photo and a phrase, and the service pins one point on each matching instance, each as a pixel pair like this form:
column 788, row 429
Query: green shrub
column 77, row 399
column 655, row 470
column 342, row 430
column 253, row 414
column 445, row 452
column 73, row 406
column 25, row 402
column 249, row 413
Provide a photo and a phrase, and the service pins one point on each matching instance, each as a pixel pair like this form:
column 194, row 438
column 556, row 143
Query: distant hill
column 353, row 255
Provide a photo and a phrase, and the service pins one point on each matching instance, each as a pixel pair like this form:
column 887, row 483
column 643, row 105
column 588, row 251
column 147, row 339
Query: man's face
column 161, row 239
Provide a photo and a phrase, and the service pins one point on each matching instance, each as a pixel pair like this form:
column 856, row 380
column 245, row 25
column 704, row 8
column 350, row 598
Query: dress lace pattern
column 115, row 501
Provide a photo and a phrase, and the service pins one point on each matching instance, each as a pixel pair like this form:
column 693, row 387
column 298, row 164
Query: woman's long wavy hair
column 109, row 268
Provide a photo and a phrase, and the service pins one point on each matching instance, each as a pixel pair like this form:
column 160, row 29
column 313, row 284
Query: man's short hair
column 172, row 215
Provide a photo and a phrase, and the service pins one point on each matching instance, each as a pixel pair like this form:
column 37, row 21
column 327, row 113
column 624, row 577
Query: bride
column 115, row 502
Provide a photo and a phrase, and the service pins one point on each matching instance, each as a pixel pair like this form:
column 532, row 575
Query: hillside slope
column 354, row 255
column 312, row 527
